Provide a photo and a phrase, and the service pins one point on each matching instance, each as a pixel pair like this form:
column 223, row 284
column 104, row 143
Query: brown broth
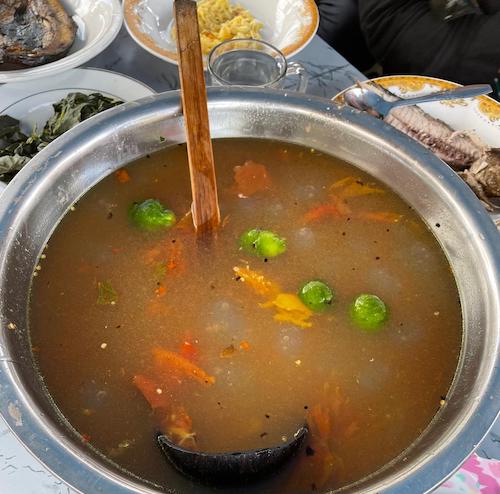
column 381, row 389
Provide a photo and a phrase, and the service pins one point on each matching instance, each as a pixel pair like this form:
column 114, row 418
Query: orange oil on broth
column 379, row 391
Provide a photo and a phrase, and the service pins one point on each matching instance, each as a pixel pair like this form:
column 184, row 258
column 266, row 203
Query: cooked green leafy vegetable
column 16, row 148
column 316, row 295
column 262, row 243
column 368, row 312
column 106, row 293
column 76, row 108
column 151, row 215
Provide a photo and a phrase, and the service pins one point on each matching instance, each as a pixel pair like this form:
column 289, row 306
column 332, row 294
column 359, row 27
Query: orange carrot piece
column 330, row 422
column 160, row 291
column 244, row 345
column 341, row 183
column 380, row 216
column 320, row 421
column 166, row 360
column 343, row 208
column 173, row 419
column 188, row 350
column 178, row 425
column 257, row 282
column 351, row 187
column 251, row 178
column 321, row 466
column 289, row 308
column 175, row 258
column 168, row 254
column 152, row 392
column 319, row 212
column 122, row 176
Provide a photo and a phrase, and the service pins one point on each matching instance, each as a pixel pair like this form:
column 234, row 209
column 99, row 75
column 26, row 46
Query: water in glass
column 248, row 68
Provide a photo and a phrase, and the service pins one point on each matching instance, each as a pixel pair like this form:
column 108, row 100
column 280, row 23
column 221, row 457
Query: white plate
column 289, row 25
column 98, row 24
column 31, row 102
column 480, row 115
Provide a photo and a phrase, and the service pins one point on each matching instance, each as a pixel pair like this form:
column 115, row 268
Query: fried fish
column 34, row 32
column 476, row 162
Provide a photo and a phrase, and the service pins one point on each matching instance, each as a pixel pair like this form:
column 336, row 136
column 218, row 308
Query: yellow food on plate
column 219, row 20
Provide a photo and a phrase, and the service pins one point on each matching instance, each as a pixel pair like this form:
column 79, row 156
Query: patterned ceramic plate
column 480, row 114
column 288, row 24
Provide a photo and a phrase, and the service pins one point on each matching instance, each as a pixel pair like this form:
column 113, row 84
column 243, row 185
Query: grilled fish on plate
column 33, row 32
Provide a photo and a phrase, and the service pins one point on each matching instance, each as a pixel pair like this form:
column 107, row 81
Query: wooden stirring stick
column 205, row 208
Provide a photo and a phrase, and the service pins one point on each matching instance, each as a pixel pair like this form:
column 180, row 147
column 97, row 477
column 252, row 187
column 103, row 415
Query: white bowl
column 98, row 24
column 289, row 25
column 31, row 102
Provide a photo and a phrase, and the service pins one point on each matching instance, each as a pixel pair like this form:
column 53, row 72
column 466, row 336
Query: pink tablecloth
column 477, row 476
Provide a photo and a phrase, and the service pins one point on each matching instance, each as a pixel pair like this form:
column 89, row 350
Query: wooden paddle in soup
column 230, row 467
column 205, row 207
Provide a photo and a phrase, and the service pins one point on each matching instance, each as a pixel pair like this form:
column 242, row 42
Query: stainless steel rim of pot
column 49, row 185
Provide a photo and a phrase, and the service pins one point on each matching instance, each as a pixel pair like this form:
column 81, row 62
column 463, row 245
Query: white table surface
column 20, row 472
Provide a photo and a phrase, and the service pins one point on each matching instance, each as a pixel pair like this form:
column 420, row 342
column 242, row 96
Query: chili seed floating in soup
column 144, row 330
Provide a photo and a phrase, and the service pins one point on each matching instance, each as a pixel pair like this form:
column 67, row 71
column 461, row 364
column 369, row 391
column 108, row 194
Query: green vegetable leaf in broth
column 106, row 293
column 160, row 271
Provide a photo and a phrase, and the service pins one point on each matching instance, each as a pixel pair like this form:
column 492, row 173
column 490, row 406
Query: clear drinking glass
column 250, row 62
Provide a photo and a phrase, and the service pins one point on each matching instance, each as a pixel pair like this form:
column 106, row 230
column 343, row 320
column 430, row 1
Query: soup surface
column 138, row 331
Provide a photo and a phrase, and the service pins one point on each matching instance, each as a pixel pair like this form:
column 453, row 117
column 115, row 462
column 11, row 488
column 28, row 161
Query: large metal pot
column 43, row 192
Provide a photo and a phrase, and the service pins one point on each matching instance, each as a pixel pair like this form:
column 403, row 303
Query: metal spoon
column 366, row 100
column 233, row 467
